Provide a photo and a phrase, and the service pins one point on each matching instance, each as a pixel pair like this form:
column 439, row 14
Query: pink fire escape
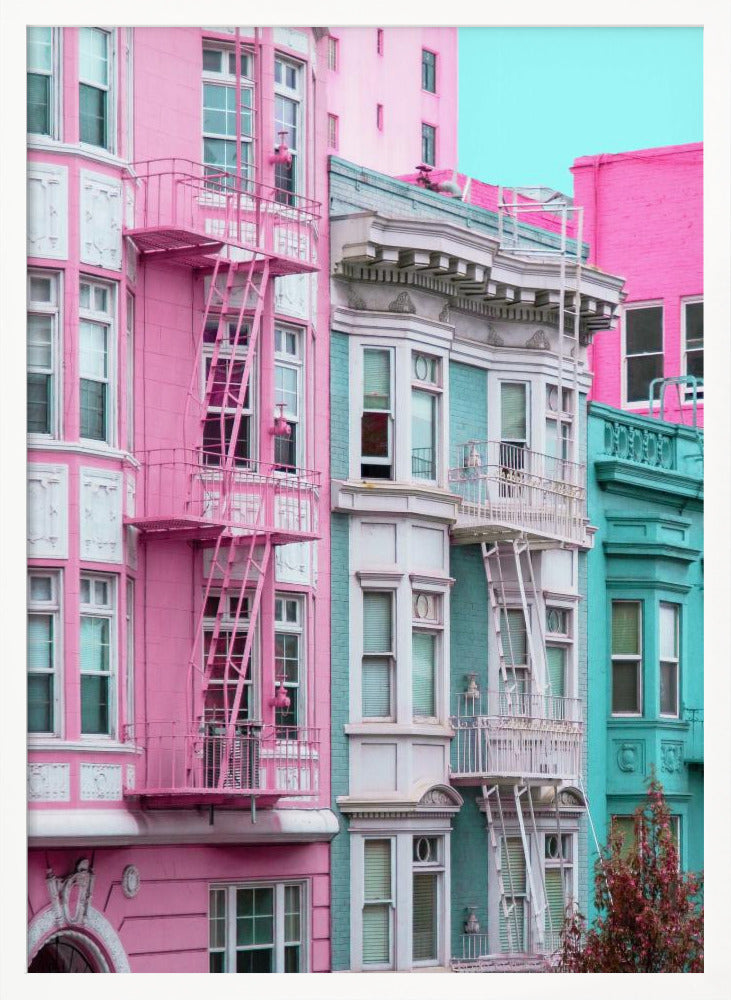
column 240, row 235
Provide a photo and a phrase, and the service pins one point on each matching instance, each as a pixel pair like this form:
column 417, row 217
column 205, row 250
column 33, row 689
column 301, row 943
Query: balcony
column 477, row 957
column 693, row 753
column 508, row 489
column 532, row 738
column 185, row 213
column 187, row 492
column 208, row 767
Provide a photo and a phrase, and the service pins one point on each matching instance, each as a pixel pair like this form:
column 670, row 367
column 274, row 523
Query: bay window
column 95, row 88
column 43, row 352
column 96, row 360
column 377, row 679
column 377, row 418
column 228, row 142
column 257, row 928
column 626, row 658
column 98, row 655
column 44, row 652
column 378, row 903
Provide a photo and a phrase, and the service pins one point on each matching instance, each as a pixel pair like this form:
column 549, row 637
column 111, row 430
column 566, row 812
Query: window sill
column 56, row 743
column 81, row 448
column 48, row 145
column 440, row 730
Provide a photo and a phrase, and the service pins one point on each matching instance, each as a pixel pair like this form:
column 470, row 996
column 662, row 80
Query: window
column 425, row 389
column 225, row 138
column 629, row 826
column 378, row 903
column 626, row 658
column 288, row 396
column 513, row 435
column 512, row 929
column 333, row 130
column 693, row 340
column 130, row 614
column 379, row 117
column 97, row 658
column 258, row 928
column 333, row 52
column 425, row 630
column 95, row 77
column 379, row 41
column 377, row 419
column 427, row 869
column 130, row 372
column 558, row 880
column 559, row 422
column 558, row 634
column 428, row 144
column 515, row 686
column 669, row 659
column 41, row 58
column 43, row 329
column 232, row 612
column 44, row 650
column 287, row 124
column 643, row 350
column 222, row 420
column 378, row 655
column 288, row 659
column 428, row 71
column 96, row 312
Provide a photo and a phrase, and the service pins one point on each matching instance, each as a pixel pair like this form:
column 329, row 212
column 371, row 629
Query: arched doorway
column 62, row 953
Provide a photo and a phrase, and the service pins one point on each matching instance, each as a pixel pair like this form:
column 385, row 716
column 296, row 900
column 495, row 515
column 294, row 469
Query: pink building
column 643, row 219
column 178, row 775
column 392, row 97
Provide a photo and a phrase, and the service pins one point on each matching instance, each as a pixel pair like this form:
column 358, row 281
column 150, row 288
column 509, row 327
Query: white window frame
column 55, row 87
column 240, row 354
column 92, row 609
column 390, row 460
column 432, row 623
column 110, row 90
column 523, row 672
column 53, row 609
column 568, row 868
column 639, row 404
column 436, row 865
column 230, row 949
column 296, row 96
column 109, row 321
column 297, row 692
column 390, row 656
column 638, row 659
column 333, row 131
column 672, row 660
column 428, row 90
column 564, row 420
column 390, row 903
column 226, row 628
column 689, row 301
column 435, row 389
column 565, row 641
column 130, row 650
column 130, row 324
column 52, row 308
column 433, row 128
column 333, row 53
column 292, row 362
column 226, row 79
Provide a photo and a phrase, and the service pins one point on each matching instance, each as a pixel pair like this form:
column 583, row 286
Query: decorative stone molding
column 628, row 756
column 129, row 777
column 493, row 337
column 100, row 216
column 671, row 756
column 402, row 304
column 47, row 211
column 293, row 563
column 47, row 511
column 444, row 314
column 129, row 506
column 538, row 342
column 131, row 881
column 635, row 444
column 355, row 299
column 48, row 783
column 100, row 511
column 45, row 925
column 71, row 895
column 100, row 782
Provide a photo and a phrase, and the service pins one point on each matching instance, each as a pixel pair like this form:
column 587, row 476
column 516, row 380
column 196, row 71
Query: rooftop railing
column 257, row 760
column 509, row 486
column 187, row 210
column 184, row 488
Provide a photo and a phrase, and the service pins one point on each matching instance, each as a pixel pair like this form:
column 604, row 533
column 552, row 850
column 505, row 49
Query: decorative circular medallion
column 422, row 606
column 131, row 881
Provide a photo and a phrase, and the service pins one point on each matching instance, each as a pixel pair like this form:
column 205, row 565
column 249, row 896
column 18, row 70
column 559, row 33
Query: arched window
column 62, row 954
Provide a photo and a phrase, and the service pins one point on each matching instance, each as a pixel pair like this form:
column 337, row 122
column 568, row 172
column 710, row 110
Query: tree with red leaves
column 650, row 913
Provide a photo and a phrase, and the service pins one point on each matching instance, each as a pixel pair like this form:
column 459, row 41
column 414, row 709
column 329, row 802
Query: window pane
column 39, row 104
column 41, row 588
column 376, row 688
column 286, row 390
column 428, row 143
column 625, row 694
column 92, row 116
column 425, row 916
column 40, row 642
column 514, row 637
column 376, row 380
column 40, row 703
column 375, row 436
column 212, row 60
column 292, row 958
column 669, row 688
column 40, row 339
column 423, row 434
column 668, row 631
column 640, row 372
column 377, row 631
column 376, row 945
column 625, row 628
column 39, row 49
column 39, row 404
column 644, row 330
column 292, row 921
column 285, row 450
column 217, row 919
column 92, row 349
column 694, row 324
column 625, row 826
column 93, row 56
column 513, row 865
column 93, row 410
column 423, row 661
column 513, row 412
column 377, row 869
column 94, row 704
column 259, row 960
column 556, row 657
column 556, row 907
column 94, row 654
column 694, row 364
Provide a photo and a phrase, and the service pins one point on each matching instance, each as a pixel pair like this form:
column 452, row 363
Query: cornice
column 651, row 550
column 635, row 479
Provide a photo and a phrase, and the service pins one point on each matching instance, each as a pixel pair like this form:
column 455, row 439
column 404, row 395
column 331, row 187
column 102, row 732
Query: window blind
column 668, row 632
column 376, row 942
column 40, row 642
column 94, row 645
column 377, row 630
column 376, row 687
column 515, row 940
column 514, row 879
column 377, row 870
column 376, row 380
column 513, row 863
column 556, row 658
column 512, row 412
column 423, row 648
column 424, row 916
column 556, row 906
column 514, row 637
column 625, row 628
column 376, row 888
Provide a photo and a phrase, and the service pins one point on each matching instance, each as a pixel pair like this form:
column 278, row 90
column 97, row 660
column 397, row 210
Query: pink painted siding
column 157, row 99
column 365, row 79
column 643, row 218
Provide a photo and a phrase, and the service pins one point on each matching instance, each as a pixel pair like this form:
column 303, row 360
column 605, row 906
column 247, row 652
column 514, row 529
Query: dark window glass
column 641, row 370
column 428, row 144
column 93, row 410
column 39, row 404
column 285, row 450
column 644, row 330
column 625, row 696
column 428, row 71
column 92, row 115
column 39, row 104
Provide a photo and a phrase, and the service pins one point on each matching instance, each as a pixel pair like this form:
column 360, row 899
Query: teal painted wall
column 645, row 498
column 467, row 406
column 339, row 632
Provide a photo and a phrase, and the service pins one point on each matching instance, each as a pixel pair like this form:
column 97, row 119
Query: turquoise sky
column 533, row 99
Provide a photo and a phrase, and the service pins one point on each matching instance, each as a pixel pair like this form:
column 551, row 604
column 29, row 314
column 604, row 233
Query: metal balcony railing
column 187, row 211
column 184, row 489
column 261, row 761
column 508, row 486
column 530, row 736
